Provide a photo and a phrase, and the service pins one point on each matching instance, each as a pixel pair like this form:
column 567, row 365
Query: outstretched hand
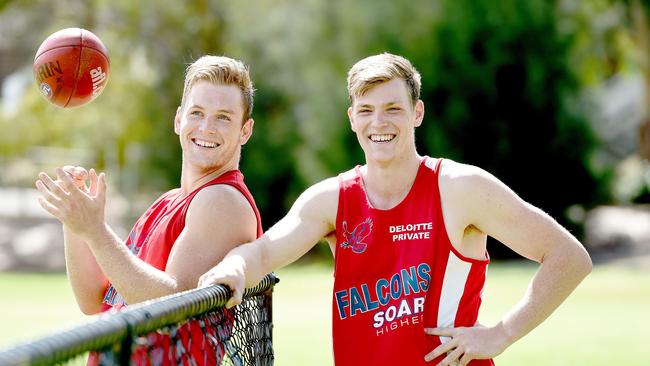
column 78, row 207
column 466, row 344
column 230, row 273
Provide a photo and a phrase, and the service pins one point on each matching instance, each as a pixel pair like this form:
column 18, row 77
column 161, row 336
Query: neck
column 387, row 184
column 192, row 177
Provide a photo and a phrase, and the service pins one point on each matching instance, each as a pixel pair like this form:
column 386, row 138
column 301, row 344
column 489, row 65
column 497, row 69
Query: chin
column 203, row 164
column 380, row 157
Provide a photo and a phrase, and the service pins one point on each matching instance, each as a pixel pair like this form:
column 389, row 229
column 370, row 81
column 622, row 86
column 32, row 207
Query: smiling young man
column 187, row 230
column 408, row 234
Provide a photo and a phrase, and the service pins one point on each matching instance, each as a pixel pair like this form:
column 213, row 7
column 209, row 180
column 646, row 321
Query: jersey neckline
column 401, row 203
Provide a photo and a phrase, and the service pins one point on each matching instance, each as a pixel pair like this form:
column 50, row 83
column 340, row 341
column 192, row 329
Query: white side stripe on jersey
column 453, row 287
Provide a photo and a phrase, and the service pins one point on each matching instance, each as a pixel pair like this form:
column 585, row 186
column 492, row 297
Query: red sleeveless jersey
column 395, row 273
column 152, row 239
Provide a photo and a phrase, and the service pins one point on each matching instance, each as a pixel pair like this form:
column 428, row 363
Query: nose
column 380, row 119
column 208, row 125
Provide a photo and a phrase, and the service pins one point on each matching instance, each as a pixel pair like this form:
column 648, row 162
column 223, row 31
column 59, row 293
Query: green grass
column 34, row 305
column 606, row 321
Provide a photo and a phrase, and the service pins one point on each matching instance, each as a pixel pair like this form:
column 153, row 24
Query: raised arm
column 84, row 274
column 311, row 218
column 218, row 219
column 490, row 206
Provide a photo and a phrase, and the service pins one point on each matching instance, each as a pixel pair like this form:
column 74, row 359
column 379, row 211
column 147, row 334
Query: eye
column 363, row 111
column 196, row 113
column 223, row 117
column 394, row 109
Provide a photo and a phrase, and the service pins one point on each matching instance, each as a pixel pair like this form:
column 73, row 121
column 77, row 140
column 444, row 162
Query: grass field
column 605, row 322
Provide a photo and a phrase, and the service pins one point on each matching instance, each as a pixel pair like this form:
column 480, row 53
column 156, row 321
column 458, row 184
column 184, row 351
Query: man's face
column 210, row 127
column 384, row 121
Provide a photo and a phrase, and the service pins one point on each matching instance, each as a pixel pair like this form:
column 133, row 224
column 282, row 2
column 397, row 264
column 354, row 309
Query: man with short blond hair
column 408, row 234
column 186, row 230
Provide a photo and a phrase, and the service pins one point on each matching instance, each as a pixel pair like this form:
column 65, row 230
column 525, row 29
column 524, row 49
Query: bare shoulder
column 469, row 194
column 220, row 199
column 463, row 176
column 325, row 189
column 320, row 201
column 218, row 218
column 465, row 183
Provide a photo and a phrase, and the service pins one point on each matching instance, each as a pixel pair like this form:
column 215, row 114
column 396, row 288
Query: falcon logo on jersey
column 112, row 298
column 354, row 239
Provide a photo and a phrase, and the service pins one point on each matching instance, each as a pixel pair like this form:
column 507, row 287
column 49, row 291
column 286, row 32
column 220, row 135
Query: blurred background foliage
column 519, row 88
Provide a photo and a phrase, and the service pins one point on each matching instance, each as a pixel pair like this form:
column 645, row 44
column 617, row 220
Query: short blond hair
column 377, row 69
column 221, row 70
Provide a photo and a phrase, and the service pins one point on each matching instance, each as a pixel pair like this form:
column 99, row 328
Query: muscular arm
column 311, row 218
column 84, row 274
column 529, row 231
column 485, row 203
column 218, row 218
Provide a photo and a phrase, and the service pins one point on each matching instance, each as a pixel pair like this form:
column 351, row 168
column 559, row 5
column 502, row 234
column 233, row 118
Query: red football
column 71, row 67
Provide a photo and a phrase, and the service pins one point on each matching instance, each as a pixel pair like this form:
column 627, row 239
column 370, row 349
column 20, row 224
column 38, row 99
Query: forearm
column 134, row 280
column 84, row 274
column 267, row 254
column 558, row 275
column 249, row 259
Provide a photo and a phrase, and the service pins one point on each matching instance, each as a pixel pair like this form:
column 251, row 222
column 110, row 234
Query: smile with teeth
column 382, row 138
column 203, row 143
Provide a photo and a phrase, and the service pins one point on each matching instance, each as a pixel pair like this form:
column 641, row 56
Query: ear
column 246, row 131
column 177, row 121
column 351, row 119
column 419, row 112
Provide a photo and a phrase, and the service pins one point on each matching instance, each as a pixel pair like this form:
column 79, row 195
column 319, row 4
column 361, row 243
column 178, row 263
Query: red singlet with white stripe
column 151, row 240
column 396, row 273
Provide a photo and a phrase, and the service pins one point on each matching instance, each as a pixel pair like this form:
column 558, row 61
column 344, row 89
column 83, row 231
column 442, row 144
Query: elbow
column 89, row 304
column 582, row 262
column 587, row 264
column 572, row 260
column 90, row 308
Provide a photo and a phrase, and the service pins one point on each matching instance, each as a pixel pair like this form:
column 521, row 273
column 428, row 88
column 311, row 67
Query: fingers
column 101, row 187
column 47, row 200
column 48, row 206
column 208, row 279
column 66, row 181
column 93, row 182
column 201, row 283
column 448, row 332
column 204, row 280
column 97, row 185
column 76, row 172
column 78, row 175
column 452, row 357
column 237, row 292
column 462, row 345
column 236, row 299
column 440, row 350
column 465, row 359
column 49, row 188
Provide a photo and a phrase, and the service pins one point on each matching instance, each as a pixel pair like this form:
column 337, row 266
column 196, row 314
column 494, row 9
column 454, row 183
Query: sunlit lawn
column 605, row 322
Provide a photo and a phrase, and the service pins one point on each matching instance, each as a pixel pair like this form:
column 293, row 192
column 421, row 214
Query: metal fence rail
column 117, row 329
